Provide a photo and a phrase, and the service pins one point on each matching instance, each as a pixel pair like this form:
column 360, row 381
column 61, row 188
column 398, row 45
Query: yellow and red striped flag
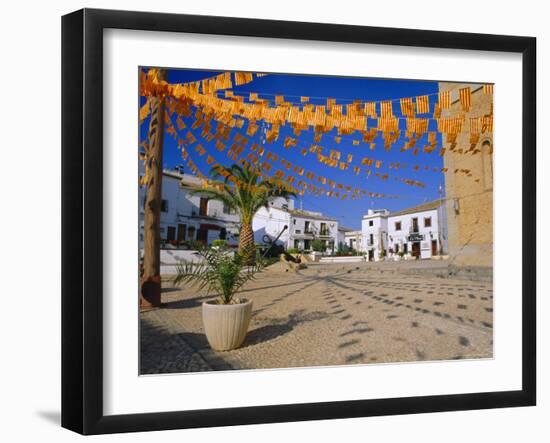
column 488, row 89
column 407, row 107
column 370, row 110
column 422, row 104
column 445, row 100
column 386, row 109
column 465, row 96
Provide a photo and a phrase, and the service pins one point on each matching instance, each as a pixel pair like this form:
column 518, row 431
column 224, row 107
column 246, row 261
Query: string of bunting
column 151, row 85
column 333, row 159
column 238, row 147
column 323, row 118
column 308, row 115
column 234, row 154
column 415, row 129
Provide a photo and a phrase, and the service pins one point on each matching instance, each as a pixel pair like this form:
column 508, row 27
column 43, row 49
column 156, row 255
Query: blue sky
column 348, row 212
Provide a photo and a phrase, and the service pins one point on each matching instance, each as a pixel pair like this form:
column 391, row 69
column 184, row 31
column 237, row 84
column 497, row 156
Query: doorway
column 434, row 247
column 171, row 233
column 371, row 254
column 182, row 229
column 416, row 249
column 202, row 235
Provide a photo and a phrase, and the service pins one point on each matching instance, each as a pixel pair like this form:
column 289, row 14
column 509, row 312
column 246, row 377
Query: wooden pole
column 150, row 281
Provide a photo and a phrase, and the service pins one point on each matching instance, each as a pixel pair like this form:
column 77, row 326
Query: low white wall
column 169, row 259
column 350, row 259
column 172, row 257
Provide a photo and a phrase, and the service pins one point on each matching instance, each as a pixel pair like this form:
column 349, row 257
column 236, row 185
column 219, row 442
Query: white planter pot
column 226, row 325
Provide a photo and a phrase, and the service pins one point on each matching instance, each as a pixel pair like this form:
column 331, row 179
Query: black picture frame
column 82, row 215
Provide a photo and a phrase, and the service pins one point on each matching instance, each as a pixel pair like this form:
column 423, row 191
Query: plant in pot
column 222, row 272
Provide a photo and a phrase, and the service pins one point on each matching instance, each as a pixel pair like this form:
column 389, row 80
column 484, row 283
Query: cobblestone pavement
column 328, row 315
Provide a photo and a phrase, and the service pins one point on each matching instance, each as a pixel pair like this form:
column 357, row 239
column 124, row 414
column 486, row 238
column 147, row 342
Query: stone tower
column 469, row 195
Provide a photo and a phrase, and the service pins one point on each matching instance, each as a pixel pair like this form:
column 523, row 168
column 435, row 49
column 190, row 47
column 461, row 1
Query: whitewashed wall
column 401, row 237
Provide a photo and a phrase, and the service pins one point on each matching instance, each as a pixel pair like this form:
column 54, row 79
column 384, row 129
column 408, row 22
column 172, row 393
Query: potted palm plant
column 222, row 272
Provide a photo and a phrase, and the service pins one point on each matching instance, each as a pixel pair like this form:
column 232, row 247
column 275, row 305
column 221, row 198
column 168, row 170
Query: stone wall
column 469, row 200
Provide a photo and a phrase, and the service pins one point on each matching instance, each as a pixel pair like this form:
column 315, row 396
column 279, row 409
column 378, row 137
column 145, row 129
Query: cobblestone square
column 329, row 315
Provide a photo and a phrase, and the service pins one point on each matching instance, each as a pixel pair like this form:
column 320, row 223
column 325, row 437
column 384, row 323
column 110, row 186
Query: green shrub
column 219, row 243
column 293, row 251
column 318, row 245
column 194, row 245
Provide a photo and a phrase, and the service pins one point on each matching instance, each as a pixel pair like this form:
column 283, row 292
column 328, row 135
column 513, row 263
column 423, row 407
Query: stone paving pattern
column 328, row 315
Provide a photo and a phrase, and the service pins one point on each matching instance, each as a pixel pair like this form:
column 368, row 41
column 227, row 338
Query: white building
column 350, row 238
column 420, row 231
column 302, row 227
column 354, row 240
column 186, row 217
column 374, row 228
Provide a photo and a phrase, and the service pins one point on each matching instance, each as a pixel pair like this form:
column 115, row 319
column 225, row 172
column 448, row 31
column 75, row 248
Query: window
column 307, row 227
column 396, row 248
column 296, row 244
column 164, row 205
column 415, row 224
column 371, row 222
column 223, row 234
column 405, row 247
column 427, row 222
column 371, row 239
column 398, row 226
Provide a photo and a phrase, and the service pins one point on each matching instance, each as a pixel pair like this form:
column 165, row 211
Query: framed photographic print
column 270, row 221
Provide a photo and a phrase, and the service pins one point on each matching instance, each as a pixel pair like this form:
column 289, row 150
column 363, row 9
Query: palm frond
column 219, row 272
